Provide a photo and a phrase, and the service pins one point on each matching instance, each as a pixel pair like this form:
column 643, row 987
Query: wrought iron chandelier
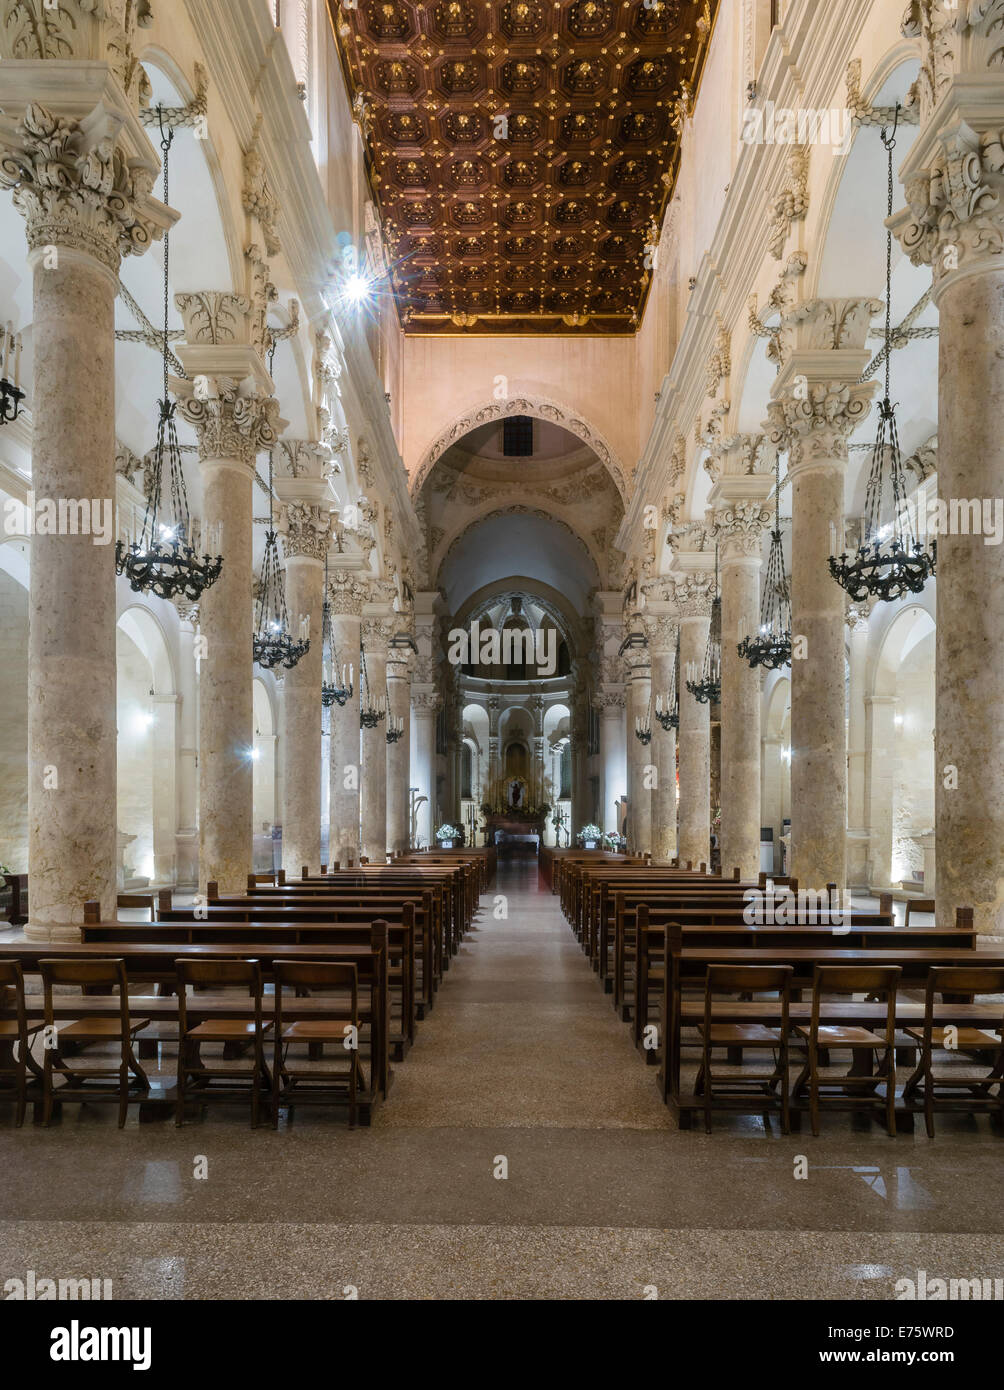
column 669, row 717
column 11, row 394
column 163, row 561
column 771, row 646
column 331, row 692
column 708, row 690
column 643, row 732
column 395, row 727
column 370, row 714
column 273, row 643
column 890, row 561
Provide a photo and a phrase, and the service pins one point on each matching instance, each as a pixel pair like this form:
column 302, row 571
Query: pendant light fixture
column 708, row 689
column 771, row 646
column 890, row 561
column 332, row 692
column 667, row 706
column 370, row 713
column 163, row 560
column 273, row 643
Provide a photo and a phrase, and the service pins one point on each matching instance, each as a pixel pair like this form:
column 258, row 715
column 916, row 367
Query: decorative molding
column 694, row 594
column 792, row 203
column 720, row 360
column 347, row 592
column 258, row 198
column 214, row 317
column 819, row 426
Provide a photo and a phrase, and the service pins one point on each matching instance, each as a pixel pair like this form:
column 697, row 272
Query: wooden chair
column 236, row 1034
column 730, row 1088
column 338, row 1025
column 15, row 1032
column 118, row 1027
column 940, row 1088
column 856, row 1089
column 917, row 905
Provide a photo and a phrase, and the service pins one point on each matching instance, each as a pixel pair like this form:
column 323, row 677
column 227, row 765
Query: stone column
column 376, row 633
column 662, row 632
column 305, row 538
column 424, row 704
column 188, row 759
column 227, row 400
column 954, row 222
column 694, row 593
column 82, row 183
column 739, row 520
column 164, row 735
column 817, row 403
column 347, row 591
column 882, row 766
column 639, row 755
column 857, row 818
column 610, row 701
column 399, row 753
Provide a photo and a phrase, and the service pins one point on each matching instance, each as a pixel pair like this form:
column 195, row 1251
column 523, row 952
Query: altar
column 516, row 833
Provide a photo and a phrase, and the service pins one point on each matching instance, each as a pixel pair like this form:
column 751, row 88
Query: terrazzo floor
column 523, row 1153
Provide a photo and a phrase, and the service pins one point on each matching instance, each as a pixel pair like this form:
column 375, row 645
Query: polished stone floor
column 521, row 1067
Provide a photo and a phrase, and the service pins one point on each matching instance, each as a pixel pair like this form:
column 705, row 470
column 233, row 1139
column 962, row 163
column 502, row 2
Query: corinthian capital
column 738, row 527
column 306, row 530
column 85, row 30
column 815, row 420
column 694, row 595
column 347, row 592
column 662, row 633
column 230, row 424
column 77, row 188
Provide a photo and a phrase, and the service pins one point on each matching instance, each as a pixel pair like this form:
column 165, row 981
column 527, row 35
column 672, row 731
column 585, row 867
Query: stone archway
column 540, row 408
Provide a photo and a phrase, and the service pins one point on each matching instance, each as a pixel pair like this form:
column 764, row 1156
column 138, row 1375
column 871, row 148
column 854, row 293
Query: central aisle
column 521, row 1033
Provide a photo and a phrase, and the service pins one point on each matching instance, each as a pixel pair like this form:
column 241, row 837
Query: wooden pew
column 155, row 962
column 224, row 926
column 689, row 964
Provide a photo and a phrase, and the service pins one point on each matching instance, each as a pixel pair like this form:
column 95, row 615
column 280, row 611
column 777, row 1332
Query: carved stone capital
column 85, row 30
column 814, row 420
column 306, row 530
column 347, row 592
column 738, row 529
column 609, row 699
column 76, row 188
column 425, row 701
column 662, row 634
column 230, row 424
column 376, row 635
column 214, row 317
column 694, row 595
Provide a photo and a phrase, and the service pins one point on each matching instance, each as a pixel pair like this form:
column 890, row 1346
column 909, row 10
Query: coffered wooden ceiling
column 522, row 153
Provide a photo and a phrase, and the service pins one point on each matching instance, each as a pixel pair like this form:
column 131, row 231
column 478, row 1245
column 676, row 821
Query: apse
column 518, row 544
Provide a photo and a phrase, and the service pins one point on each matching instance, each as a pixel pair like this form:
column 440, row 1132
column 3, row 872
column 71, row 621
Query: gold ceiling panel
column 522, row 153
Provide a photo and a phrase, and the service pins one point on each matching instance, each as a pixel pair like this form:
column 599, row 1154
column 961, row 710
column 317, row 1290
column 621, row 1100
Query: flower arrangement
column 614, row 842
column 447, row 832
column 589, row 834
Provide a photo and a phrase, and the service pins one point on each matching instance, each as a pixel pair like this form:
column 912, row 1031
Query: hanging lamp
column 771, row 646
column 669, row 717
column 163, row 560
column 331, row 692
column 273, row 643
column 708, row 690
column 370, row 713
column 890, row 561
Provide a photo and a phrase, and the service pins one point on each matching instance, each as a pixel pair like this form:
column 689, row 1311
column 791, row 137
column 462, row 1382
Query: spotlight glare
column 357, row 288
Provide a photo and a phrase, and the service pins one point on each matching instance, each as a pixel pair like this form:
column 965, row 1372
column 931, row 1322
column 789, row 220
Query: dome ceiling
column 522, row 153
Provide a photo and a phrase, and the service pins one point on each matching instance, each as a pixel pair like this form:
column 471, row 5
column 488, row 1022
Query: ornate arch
column 510, row 509
column 540, row 408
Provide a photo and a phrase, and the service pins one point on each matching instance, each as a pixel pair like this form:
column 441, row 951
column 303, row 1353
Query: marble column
column 81, row 185
column 188, row 752
column 305, row 539
column 662, row 632
column 164, row 735
column 610, row 702
column 882, row 766
column 424, row 704
column 227, row 400
column 694, row 594
column 738, row 527
column 376, row 633
column 817, row 403
column 639, row 755
column 347, row 591
column 857, row 818
column 954, row 222
column 399, row 753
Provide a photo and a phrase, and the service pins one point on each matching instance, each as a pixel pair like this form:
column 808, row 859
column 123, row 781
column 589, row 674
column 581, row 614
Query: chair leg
column 814, row 1088
column 785, row 1095
column 123, row 1091
column 179, row 1099
column 928, row 1100
column 47, row 1088
column 890, row 1092
column 276, row 1077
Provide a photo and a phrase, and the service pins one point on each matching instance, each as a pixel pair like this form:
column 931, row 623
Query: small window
column 517, row 436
